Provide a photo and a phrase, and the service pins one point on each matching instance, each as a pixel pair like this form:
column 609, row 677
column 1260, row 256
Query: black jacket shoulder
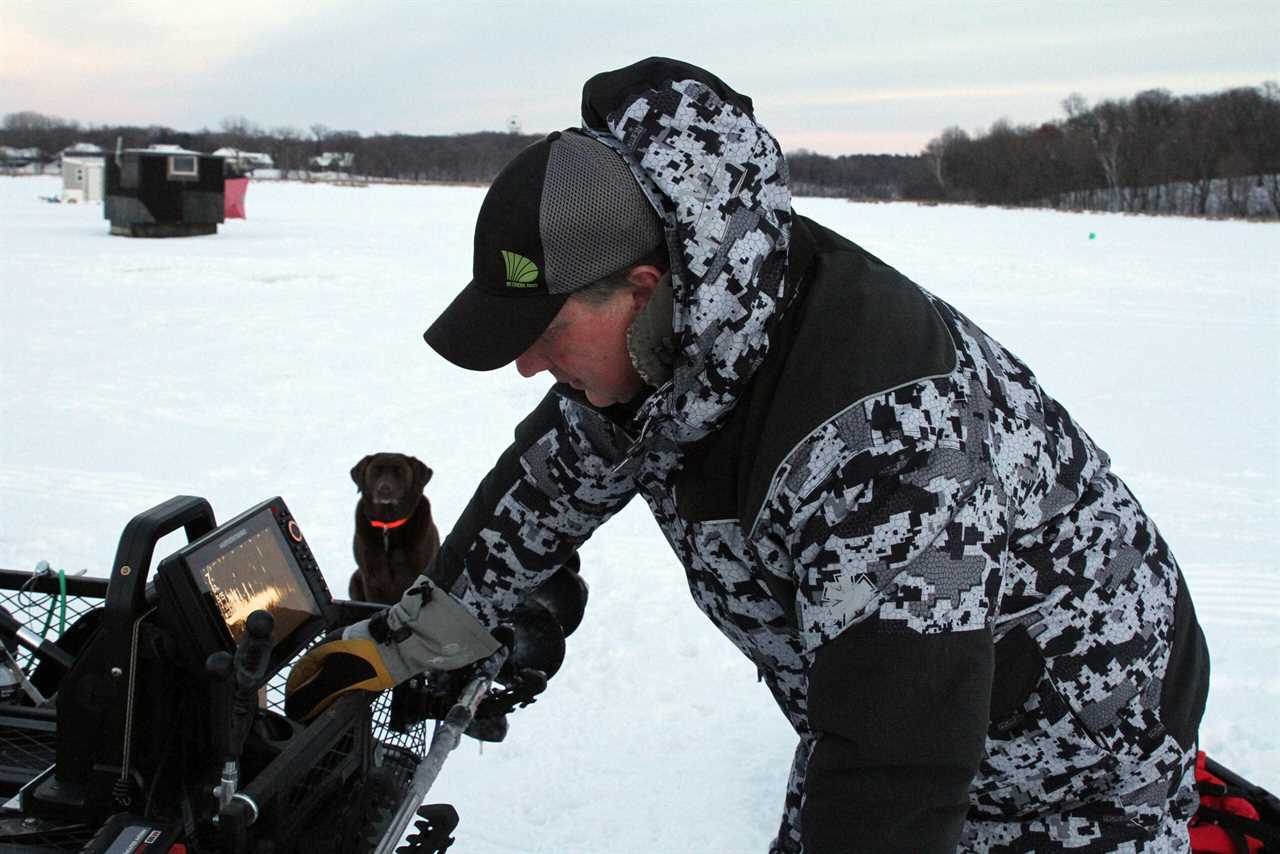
column 857, row 328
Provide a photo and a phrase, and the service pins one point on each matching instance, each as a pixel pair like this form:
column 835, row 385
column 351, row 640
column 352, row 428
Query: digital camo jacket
column 979, row 637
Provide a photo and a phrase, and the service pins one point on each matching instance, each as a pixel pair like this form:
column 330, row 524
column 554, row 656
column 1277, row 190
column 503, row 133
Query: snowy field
column 269, row 358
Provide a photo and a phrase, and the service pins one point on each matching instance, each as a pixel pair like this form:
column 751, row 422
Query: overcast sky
column 847, row 77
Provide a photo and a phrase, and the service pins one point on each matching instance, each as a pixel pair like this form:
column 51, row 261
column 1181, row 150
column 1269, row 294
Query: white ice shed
column 83, row 177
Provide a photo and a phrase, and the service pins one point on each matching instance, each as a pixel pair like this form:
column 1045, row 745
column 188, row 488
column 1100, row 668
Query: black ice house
column 163, row 191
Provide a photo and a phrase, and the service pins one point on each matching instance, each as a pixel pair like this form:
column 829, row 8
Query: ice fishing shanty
column 83, row 166
column 163, row 191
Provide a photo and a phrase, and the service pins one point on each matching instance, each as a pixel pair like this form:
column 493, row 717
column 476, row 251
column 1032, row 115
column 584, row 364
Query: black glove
column 331, row 670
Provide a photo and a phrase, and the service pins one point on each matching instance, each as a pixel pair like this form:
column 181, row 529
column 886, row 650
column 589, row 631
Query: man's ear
column 421, row 474
column 357, row 471
column 644, row 279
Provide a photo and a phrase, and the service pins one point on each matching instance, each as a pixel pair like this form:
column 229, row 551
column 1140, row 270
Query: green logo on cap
column 521, row 272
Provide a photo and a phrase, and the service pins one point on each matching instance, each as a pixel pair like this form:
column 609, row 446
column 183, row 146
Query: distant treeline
column 1155, row 152
column 862, row 176
column 456, row 157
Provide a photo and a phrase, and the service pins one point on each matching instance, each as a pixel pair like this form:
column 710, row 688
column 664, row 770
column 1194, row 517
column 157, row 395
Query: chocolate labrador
column 395, row 535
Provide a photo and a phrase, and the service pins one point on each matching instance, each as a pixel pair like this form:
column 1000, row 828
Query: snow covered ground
column 269, row 358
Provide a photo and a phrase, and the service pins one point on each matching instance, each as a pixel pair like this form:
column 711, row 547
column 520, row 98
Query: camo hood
column 719, row 182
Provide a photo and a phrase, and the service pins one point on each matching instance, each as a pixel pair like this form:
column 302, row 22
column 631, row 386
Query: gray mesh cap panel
column 594, row 218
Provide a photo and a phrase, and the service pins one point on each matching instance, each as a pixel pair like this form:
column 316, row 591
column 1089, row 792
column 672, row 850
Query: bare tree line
column 1155, row 152
column 861, row 176
column 457, row 157
column 468, row 157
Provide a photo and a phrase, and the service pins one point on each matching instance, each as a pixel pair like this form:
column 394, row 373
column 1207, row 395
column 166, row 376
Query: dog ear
column 421, row 473
column 358, row 470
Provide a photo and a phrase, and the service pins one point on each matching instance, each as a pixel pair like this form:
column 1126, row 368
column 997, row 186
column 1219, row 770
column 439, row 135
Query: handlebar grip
column 251, row 664
column 253, row 653
column 10, row 627
column 259, row 624
column 219, row 666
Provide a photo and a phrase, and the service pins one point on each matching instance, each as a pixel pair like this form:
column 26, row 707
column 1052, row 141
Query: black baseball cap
column 564, row 213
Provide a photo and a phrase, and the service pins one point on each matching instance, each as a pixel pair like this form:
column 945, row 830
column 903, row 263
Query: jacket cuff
column 901, row 721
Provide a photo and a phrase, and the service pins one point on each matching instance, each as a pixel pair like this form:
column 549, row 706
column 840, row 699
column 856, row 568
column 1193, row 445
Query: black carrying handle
column 127, row 586
column 126, row 590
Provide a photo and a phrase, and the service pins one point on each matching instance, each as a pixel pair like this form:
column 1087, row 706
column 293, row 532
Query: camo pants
column 1145, row 823
column 1150, row 821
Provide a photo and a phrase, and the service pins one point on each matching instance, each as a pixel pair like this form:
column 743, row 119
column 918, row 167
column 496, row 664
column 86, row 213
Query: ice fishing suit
column 979, row 636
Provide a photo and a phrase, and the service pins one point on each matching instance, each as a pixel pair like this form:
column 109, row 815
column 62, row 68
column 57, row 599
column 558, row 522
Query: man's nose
column 530, row 363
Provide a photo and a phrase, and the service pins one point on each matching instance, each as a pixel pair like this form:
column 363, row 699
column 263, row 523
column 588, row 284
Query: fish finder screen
column 251, row 568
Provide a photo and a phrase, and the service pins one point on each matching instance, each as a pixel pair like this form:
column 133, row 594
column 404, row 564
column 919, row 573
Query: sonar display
column 254, row 574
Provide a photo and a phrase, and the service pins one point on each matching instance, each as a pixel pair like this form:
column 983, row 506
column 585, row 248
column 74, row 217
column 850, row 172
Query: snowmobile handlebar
column 11, row 628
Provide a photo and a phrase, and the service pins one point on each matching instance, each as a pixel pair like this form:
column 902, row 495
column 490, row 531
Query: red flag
column 233, row 199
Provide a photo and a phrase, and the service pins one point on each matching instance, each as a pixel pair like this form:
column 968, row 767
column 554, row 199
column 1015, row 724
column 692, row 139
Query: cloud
column 62, row 46
column 1125, row 85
